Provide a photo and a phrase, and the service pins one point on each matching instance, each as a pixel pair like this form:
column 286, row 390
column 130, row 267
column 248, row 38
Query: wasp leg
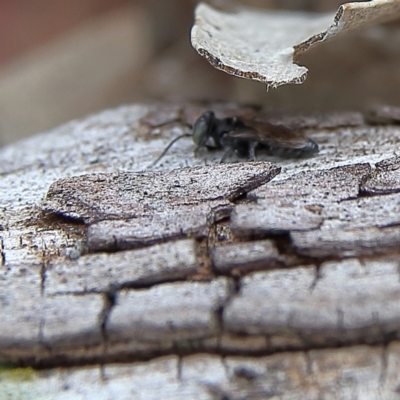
column 252, row 151
column 227, row 154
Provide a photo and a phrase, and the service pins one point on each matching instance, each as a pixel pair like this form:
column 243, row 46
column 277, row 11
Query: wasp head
column 202, row 128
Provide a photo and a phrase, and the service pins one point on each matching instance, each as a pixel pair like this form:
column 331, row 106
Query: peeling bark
column 265, row 45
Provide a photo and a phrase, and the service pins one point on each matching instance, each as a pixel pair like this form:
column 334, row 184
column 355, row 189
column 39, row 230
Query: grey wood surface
column 194, row 279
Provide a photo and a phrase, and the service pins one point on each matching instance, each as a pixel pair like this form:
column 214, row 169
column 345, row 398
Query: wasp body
column 245, row 136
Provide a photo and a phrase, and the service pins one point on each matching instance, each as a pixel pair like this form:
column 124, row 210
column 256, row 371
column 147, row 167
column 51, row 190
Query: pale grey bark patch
column 259, row 293
column 364, row 212
column 112, row 271
column 244, row 257
column 132, row 381
column 298, row 203
column 187, row 221
column 34, row 326
column 326, row 212
column 362, row 226
column 338, row 242
column 282, row 376
column 310, row 187
column 273, row 218
column 20, row 313
column 71, row 321
column 170, row 312
column 180, row 317
column 349, row 302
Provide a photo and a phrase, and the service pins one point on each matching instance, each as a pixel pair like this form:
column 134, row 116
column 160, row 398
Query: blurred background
column 61, row 60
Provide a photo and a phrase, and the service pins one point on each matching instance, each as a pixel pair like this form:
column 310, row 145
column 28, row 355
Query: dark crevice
column 202, row 253
column 243, row 198
column 123, row 245
column 42, row 278
column 103, row 375
column 134, row 285
column 219, row 312
column 245, row 373
column 218, row 393
column 384, row 367
column 237, row 285
column 295, row 258
column 2, row 255
column 308, row 363
column 316, row 278
column 143, row 285
column 219, row 315
column 179, row 369
column 285, row 247
column 180, row 349
column 50, row 361
column 110, row 299
column 53, row 221
column 366, row 193
column 234, row 289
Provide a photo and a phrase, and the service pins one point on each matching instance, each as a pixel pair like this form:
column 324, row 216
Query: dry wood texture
column 272, row 279
column 265, row 45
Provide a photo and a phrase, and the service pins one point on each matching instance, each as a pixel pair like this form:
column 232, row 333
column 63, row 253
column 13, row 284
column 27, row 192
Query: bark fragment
column 149, row 207
column 264, row 45
column 386, row 178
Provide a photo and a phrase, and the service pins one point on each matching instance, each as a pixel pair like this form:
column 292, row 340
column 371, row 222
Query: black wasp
column 244, row 136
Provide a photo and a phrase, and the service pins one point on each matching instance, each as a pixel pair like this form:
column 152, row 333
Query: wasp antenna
column 168, row 147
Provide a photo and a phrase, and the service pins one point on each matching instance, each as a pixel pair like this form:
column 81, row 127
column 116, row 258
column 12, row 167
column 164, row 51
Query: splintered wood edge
column 264, row 45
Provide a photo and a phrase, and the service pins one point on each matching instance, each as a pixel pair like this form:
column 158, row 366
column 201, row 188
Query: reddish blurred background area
column 25, row 23
column 61, row 60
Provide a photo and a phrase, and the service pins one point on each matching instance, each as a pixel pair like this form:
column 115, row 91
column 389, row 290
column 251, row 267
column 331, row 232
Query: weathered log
column 278, row 278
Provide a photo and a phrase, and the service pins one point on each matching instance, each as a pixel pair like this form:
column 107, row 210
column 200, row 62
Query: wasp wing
column 271, row 135
column 275, row 137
